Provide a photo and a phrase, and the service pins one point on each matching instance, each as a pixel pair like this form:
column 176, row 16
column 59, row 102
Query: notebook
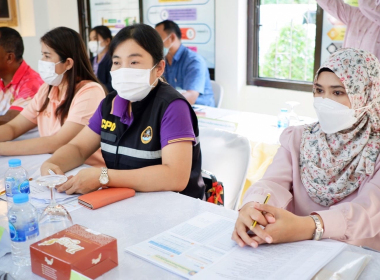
column 103, row 197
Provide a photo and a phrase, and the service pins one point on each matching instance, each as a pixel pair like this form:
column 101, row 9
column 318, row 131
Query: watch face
column 103, row 180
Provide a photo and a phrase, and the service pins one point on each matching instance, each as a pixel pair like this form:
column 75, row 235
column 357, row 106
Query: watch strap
column 104, row 173
column 318, row 228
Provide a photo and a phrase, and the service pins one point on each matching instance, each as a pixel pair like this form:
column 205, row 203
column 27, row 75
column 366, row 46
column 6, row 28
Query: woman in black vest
column 147, row 131
column 100, row 39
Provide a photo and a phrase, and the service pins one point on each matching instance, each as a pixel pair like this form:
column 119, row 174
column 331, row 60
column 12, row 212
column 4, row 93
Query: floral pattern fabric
column 334, row 165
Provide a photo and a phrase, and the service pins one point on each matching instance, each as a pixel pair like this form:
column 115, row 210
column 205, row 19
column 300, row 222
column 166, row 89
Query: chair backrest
column 218, row 93
column 227, row 156
column 262, row 155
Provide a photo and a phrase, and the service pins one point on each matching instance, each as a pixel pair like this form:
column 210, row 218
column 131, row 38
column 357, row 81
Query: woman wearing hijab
column 324, row 181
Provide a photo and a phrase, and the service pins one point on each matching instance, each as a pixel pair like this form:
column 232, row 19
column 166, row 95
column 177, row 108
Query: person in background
column 64, row 103
column 18, row 83
column 100, row 39
column 146, row 129
column 325, row 180
column 363, row 23
column 185, row 70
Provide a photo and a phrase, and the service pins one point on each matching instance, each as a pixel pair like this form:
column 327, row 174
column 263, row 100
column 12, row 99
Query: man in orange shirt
column 18, row 82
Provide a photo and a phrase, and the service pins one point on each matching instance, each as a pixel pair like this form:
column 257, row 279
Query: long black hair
column 103, row 31
column 67, row 43
column 145, row 36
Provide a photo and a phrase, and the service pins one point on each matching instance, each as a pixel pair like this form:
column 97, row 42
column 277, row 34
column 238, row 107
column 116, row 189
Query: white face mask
column 95, row 47
column 333, row 116
column 46, row 70
column 166, row 50
column 132, row 84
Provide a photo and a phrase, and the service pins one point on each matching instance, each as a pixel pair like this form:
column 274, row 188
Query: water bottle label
column 14, row 187
column 282, row 124
column 30, row 230
column 12, row 231
column 24, row 187
column 9, row 185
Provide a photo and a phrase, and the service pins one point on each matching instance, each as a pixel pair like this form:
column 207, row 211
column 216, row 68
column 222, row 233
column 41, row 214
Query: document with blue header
column 201, row 248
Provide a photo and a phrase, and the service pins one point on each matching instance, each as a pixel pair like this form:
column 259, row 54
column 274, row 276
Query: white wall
column 48, row 14
column 231, row 67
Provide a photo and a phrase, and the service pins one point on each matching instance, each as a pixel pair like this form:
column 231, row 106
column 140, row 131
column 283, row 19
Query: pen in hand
column 265, row 202
column 51, row 172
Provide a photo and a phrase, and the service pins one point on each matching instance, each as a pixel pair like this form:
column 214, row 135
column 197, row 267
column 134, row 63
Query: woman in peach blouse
column 64, row 103
column 324, row 180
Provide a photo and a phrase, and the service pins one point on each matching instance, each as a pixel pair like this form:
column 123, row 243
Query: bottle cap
column 20, row 198
column 14, row 162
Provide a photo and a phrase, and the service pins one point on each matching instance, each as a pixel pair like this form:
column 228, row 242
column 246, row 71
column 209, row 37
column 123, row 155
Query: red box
column 76, row 248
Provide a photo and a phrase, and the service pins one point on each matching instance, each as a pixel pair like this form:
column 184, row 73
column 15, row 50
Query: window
column 283, row 43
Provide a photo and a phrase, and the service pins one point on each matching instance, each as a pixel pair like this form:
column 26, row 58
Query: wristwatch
column 103, row 179
column 318, row 228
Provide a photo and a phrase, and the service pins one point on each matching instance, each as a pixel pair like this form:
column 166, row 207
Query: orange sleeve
column 31, row 110
column 85, row 103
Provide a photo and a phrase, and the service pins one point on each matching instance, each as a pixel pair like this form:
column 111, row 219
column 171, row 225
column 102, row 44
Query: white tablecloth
column 256, row 127
column 143, row 216
column 137, row 219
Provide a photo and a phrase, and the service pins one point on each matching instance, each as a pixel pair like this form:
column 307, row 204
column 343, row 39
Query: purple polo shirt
column 95, row 65
column 176, row 124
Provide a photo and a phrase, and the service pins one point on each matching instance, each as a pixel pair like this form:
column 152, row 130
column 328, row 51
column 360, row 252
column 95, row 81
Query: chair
column 227, row 156
column 218, row 93
column 262, row 155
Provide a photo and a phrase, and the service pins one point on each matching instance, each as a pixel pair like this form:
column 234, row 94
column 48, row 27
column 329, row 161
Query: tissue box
column 74, row 250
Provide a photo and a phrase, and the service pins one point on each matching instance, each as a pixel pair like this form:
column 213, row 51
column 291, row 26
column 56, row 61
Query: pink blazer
column 355, row 219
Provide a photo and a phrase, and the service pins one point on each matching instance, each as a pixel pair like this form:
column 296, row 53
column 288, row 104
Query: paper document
column 69, row 204
column 201, row 248
column 41, row 196
column 218, row 124
column 2, row 185
column 43, row 193
column 347, row 265
column 74, row 171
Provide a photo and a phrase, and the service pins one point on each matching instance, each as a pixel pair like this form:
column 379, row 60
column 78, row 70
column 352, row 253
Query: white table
column 143, row 216
column 137, row 219
column 256, row 127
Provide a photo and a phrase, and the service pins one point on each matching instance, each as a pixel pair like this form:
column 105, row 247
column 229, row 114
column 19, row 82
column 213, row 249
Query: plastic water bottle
column 16, row 180
column 283, row 119
column 23, row 228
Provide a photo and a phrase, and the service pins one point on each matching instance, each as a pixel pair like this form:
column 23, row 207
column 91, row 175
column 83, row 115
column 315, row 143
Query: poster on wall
column 196, row 19
column 333, row 32
column 115, row 14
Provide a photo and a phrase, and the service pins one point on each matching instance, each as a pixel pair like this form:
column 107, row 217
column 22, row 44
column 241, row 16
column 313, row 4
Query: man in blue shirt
column 185, row 70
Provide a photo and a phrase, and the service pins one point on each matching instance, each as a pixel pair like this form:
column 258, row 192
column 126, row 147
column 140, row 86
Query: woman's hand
column 47, row 165
column 288, row 227
column 87, row 180
column 247, row 215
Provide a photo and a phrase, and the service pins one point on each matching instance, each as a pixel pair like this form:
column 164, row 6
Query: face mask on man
column 46, row 70
column 95, row 47
column 333, row 116
column 166, row 50
column 132, row 84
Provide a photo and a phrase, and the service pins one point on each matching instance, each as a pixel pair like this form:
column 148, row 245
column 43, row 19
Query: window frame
column 253, row 52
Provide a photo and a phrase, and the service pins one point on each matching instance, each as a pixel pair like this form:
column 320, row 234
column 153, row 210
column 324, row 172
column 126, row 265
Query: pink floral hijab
column 334, row 165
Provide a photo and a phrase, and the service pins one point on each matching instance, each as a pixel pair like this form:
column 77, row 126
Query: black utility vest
column 138, row 145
